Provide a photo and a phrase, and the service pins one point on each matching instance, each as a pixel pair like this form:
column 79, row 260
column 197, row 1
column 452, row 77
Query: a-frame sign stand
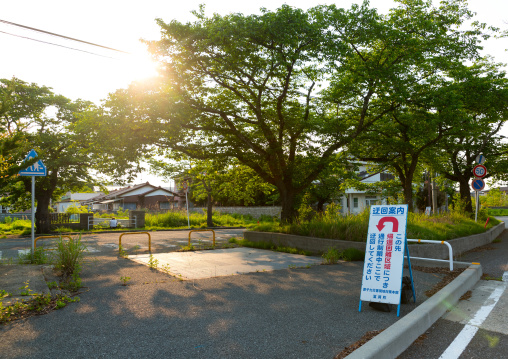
column 382, row 280
column 410, row 276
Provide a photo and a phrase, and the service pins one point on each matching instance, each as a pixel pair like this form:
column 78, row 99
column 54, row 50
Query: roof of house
column 139, row 189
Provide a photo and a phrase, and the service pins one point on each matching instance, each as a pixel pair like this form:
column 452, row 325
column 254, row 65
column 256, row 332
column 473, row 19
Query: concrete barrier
column 394, row 340
column 310, row 244
column 321, row 245
column 459, row 245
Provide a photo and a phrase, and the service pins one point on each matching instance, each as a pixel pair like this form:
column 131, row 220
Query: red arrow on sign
column 383, row 220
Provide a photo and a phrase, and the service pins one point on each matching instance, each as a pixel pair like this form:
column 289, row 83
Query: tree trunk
column 465, row 193
column 209, row 212
column 408, row 196
column 42, row 220
column 288, row 213
column 320, row 205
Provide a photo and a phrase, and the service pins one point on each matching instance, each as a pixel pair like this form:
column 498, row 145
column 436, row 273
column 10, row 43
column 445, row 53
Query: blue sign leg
column 410, row 272
column 360, row 307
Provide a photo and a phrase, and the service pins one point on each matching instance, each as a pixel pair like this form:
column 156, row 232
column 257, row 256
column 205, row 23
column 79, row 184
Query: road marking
column 468, row 332
column 22, row 252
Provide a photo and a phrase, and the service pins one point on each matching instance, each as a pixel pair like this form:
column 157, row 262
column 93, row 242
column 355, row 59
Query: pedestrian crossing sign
column 36, row 169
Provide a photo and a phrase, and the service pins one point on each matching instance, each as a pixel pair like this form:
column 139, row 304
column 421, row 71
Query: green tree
column 69, row 145
column 495, row 198
column 480, row 95
column 75, row 208
column 214, row 181
column 284, row 91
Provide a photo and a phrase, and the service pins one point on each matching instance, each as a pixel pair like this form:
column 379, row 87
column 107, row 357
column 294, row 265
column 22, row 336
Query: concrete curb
column 321, row 245
column 398, row 337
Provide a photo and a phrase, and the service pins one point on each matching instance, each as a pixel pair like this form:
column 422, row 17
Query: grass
column 332, row 255
column 270, row 246
column 498, row 212
column 354, row 227
column 15, row 227
column 39, row 304
column 178, row 219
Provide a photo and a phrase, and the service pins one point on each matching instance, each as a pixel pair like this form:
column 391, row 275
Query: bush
column 69, row 260
column 352, row 254
column 440, row 227
column 331, row 256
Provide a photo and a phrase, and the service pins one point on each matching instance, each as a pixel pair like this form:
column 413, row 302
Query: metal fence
column 14, row 216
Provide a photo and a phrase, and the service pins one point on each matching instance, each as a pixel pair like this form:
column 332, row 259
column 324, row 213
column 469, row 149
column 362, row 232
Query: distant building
column 355, row 201
column 134, row 197
column 70, row 199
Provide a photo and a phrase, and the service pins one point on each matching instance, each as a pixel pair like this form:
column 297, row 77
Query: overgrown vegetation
column 67, row 259
column 498, row 212
column 333, row 255
column 270, row 246
column 354, row 227
column 120, row 213
column 178, row 219
column 15, row 226
column 39, row 304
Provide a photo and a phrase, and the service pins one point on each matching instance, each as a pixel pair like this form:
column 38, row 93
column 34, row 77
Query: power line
column 51, row 43
column 62, row 36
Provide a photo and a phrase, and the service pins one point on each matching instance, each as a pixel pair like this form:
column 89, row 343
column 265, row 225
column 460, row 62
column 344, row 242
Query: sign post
column 384, row 255
column 36, row 169
column 479, row 171
column 184, row 186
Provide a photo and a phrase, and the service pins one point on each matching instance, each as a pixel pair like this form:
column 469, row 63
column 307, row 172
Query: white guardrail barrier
column 125, row 223
column 450, row 251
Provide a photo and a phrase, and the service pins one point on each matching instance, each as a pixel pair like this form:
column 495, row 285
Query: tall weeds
column 355, row 227
column 176, row 219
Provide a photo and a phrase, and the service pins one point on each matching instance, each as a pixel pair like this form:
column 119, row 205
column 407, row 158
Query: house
column 70, row 199
column 134, row 197
column 355, row 201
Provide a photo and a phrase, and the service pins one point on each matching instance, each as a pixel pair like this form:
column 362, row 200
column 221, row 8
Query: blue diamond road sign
column 37, row 169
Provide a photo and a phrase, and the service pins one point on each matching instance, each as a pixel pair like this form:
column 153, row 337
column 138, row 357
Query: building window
column 371, row 200
column 164, row 205
column 129, row 206
column 355, row 202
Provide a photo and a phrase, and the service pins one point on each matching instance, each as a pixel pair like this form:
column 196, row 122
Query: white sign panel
column 384, row 255
column 480, row 159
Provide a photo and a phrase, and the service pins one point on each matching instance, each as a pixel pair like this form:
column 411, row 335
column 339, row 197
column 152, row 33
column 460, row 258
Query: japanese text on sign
column 384, row 257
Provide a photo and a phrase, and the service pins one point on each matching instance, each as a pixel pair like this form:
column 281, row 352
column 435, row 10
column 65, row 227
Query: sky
column 90, row 72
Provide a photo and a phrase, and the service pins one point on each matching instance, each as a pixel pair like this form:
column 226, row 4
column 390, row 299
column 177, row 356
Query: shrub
column 352, row 254
column 69, row 259
column 331, row 256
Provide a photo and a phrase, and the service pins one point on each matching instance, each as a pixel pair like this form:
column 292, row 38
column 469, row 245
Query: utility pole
column 434, row 195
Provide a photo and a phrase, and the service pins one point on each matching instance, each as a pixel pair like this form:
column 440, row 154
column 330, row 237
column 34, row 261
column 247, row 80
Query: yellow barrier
column 203, row 230
column 35, row 240
column 149, row 239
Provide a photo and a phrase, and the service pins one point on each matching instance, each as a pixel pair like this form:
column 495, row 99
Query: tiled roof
column 120, row 192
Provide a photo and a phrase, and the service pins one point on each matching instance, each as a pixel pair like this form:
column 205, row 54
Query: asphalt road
column 290, row 313
column 478, row 326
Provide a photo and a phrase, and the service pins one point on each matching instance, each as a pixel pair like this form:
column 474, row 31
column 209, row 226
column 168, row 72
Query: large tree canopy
column 69, row 143
column 480, row 99
column 284, row 91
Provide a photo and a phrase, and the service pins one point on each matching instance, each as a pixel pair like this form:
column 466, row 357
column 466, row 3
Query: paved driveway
column 288, row 313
